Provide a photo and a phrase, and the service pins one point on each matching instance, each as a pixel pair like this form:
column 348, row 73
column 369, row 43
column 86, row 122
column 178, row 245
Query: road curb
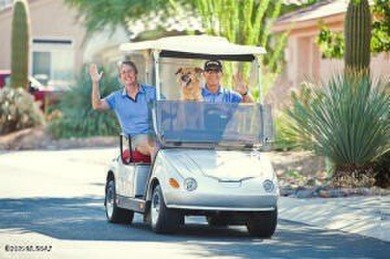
column 367, row 216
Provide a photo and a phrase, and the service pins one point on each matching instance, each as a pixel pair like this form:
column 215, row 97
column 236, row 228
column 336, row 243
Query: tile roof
column 321, row 9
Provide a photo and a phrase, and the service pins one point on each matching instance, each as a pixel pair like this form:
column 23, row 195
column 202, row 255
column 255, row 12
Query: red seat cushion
column 138, row 157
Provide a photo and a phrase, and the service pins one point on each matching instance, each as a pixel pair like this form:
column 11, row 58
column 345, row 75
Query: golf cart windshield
column 180, row 123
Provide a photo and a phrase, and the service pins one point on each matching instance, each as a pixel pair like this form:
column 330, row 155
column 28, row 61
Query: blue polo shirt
column 133, row 115
column 223, row 95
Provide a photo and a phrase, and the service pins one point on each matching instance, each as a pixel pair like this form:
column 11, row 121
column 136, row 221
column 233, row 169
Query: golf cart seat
column 135, row 157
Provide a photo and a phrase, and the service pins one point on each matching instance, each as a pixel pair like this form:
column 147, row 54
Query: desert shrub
column 285, row 139
column 288, row 135
column 18, row 110
column 347, row 120
column 74, row 115
column 382, row 170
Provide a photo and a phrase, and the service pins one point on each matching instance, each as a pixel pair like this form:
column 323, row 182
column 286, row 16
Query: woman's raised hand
column 94, row 74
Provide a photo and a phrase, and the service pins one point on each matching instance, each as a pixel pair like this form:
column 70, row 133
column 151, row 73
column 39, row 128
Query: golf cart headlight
column 268, row 186
column 190, row 184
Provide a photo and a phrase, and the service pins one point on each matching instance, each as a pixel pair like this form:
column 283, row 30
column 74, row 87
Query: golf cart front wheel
column 163, row 220
column 262, row 224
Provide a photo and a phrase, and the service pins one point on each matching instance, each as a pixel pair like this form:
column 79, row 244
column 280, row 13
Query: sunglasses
column 213, row 70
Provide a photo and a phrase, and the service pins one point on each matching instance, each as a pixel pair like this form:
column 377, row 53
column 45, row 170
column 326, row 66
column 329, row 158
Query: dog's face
column 189, row 77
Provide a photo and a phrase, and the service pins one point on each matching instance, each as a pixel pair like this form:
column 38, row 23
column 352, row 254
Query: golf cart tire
column 167, row 220
column 262, row 224
column 118, row 215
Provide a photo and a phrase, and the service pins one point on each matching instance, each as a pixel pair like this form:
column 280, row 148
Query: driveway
column 53, row 201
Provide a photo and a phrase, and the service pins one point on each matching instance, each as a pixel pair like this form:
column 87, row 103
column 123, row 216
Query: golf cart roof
column 196, row 46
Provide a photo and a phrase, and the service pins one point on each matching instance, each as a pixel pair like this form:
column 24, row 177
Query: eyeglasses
column 126, row 72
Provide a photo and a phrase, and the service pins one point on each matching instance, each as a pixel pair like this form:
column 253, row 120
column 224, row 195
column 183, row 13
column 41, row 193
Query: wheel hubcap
column 110, row 201
column 155, row 207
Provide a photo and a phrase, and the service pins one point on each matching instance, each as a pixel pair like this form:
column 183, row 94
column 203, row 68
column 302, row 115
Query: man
column 214, row 92
column 130, row 105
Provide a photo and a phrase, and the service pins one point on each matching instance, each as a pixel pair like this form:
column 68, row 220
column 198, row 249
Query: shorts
column 141, row 138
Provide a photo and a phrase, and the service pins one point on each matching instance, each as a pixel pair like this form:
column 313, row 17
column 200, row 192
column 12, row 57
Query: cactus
column 357, row 36
column 20, row 42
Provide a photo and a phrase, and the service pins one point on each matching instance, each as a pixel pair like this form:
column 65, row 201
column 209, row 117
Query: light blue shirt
column 221, row 96
column 133, row 115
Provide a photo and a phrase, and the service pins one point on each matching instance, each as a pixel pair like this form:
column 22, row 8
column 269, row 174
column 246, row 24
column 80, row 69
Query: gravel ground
column 39, row 138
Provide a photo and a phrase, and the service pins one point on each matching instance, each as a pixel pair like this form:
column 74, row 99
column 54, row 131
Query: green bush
column 346, row 119
column 18, row 110
column 77, row 118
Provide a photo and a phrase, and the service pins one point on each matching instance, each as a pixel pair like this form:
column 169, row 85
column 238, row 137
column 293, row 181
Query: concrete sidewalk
column 367, row 216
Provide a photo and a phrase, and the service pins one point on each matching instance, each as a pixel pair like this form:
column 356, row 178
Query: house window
column 53, row 62
column 5, row 3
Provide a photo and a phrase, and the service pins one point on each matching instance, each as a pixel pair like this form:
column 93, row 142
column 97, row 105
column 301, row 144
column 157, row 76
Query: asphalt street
column 52, row 201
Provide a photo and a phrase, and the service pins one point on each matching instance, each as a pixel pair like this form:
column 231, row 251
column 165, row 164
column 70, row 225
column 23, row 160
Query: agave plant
column 285, row 138
column 346, row 119
column 76, row 118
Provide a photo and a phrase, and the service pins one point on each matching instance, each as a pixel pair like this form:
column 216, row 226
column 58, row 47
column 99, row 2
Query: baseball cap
column 213, row 64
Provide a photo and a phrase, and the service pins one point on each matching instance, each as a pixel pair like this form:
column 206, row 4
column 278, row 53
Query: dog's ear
column 198, row 70
column 179, row 71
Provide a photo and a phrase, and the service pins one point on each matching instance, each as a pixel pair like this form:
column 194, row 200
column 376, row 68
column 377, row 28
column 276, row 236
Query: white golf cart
column 209, row 161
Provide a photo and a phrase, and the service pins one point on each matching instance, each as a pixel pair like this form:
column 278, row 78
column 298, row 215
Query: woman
column 130, row 104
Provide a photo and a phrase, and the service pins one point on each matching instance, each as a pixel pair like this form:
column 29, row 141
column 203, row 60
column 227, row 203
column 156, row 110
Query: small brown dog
column 189, row 80
column 189, row 115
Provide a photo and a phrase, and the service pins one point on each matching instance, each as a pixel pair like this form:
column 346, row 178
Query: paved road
column 54, row 200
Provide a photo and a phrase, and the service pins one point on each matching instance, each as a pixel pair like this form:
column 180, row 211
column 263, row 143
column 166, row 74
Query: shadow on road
column 83, row 219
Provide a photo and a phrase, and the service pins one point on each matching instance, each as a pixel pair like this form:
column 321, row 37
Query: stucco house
column 58, row 45
column 59, row 49
column 56, row 41
column 302, row 55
